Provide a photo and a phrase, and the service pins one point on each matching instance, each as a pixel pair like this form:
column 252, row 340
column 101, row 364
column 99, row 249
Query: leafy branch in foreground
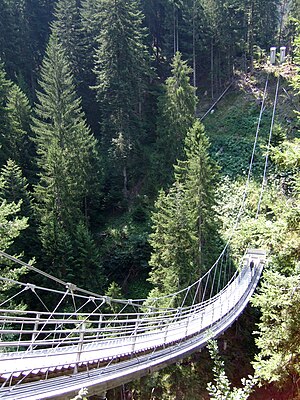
column 221, row 389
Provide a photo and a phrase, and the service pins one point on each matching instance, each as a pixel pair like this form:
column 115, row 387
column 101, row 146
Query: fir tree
column 19, row 146
column 121, row 68
column 5, row 86
column 177, row 115
column 66, row 153
column 14, row 190
column 184, row 222
column 67, row 26
column 11, row 225
column 87, row 259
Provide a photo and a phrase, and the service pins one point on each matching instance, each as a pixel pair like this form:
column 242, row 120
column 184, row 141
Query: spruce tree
column 184, row 222
column 14, row 189
column 176, row 116
column 79, row 49
column 19, row 146
column 11, row 226
column 15, row 113
column 67, row 26
column 121, row 68
column 67, row 156
column 5, row 85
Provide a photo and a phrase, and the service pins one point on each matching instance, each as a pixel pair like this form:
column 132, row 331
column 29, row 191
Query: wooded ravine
column 113, row 175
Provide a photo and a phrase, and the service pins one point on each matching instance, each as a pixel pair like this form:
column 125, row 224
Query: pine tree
column 121, row 68
column 177, row 115
column 184, row 222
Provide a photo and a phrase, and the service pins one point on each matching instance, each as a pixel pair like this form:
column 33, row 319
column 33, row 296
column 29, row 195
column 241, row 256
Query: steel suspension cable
column 264, row 180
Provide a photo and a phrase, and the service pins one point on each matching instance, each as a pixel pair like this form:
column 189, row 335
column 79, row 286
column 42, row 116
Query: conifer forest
column 126, row 133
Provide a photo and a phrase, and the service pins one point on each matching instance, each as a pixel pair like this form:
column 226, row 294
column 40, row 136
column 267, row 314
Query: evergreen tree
column 122, row 67
column 79, row 47
column 66, row 153
column 67, row 27
column 14, row 123
column 5, row 85
column 14, row 189
column 184, row 223
column 176, row 116
column 222, row 388
column 87, row 259
column 19, row 146
column 11, row 225
column 278, row 340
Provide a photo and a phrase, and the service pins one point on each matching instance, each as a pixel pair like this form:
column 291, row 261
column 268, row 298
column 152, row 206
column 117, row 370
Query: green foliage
column 15, row 113
column 11, row 225
column 231, row 131
column 114, row 291
column 221, row 389
column 65, row 146
column 176, row 116
column 87, row 260
column 19, row 146
column 184, row 223
column 15, row 190
column 68, row 162
column 278, row 330
column 122, row 72
column 125, row 252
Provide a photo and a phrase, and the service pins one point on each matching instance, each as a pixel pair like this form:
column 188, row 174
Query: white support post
column 135, row 333
column 80, row 346
column 212, row 313
column 272, row 55
column 35, row 328
column 99, row 326
column 187, row 326
column 282, row 54
column 166, row 333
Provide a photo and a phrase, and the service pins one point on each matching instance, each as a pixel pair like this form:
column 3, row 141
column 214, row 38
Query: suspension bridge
column 97, row 342
column 53, row 355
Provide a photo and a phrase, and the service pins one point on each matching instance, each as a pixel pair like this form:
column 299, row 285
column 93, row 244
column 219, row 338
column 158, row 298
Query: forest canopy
column 111, row 179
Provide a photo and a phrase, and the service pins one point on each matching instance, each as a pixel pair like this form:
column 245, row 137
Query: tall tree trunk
column 125, row 182
column 194, row 47
column 174, row 29
column 250, row 34
column 212, row 67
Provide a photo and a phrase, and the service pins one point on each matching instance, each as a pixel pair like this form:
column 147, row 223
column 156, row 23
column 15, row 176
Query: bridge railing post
column 99, row 324
column 212, row 313
column 35, row 331
column 134, row 332
column 166, row 333
column 80, row 345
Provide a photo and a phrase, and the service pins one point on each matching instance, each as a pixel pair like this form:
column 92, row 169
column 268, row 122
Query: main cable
column 264, row 181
